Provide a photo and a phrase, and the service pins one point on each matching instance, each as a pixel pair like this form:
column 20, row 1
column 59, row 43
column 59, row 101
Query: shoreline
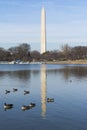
column 68, row 62
column 49, row 62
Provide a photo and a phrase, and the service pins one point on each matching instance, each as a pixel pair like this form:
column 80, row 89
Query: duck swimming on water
column 7, row 91
column 50, row 99
column 24, row 107
column 8, row 106
column 32, row 104
column 26, row 92
column 15, row 89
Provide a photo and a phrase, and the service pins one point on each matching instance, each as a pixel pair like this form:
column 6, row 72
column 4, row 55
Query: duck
column 50, row 99
column 32, row 104
column 8, row 106
column 26, row 92
column 15, row 89
column 24, row 107
column 7, row 91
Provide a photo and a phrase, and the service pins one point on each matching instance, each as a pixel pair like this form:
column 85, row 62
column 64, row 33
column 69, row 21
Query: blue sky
column 20, row 22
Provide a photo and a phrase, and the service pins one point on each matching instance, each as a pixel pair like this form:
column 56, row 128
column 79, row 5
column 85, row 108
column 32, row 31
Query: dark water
column 67, row 84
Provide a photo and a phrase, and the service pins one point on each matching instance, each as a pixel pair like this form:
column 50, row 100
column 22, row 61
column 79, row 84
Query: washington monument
column 43, row 31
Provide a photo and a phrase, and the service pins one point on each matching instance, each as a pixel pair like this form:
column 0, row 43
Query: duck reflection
column 43, row 90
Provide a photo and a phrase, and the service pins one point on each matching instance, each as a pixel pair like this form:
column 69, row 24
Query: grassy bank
column 68, row 62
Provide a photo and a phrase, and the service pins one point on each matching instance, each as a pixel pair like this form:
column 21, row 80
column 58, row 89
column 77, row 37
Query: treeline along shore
column 66, row 54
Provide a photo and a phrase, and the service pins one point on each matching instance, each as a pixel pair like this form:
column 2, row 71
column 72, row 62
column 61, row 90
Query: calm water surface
column 67, row 84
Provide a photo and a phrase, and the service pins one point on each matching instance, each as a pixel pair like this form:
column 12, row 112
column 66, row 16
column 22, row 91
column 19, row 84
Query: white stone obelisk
column 43, row 31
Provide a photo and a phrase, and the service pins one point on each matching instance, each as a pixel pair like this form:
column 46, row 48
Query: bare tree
column 35, row 55
column 66, row 49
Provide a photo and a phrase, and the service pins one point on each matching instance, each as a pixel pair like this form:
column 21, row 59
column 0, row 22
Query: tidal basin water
column 67, row 84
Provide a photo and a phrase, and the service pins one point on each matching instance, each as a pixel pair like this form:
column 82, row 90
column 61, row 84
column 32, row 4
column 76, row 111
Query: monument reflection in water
column 43, row 90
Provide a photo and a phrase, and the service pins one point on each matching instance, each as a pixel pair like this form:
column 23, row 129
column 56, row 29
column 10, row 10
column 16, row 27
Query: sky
column 20, row 22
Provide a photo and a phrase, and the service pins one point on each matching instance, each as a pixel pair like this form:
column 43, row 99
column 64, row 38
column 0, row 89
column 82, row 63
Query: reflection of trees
column 66, row 71
column 35, row 72
column 22, row 75
column 76, row 71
